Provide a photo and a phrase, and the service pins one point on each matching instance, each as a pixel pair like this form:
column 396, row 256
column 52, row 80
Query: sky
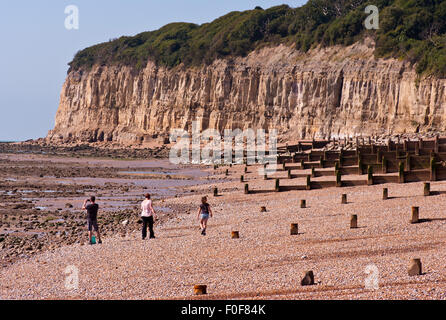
column 36, row 47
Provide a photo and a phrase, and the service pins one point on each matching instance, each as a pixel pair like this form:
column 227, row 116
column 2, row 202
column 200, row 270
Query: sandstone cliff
column 329, row 92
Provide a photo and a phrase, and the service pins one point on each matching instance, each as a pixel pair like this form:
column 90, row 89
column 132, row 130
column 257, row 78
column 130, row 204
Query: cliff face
column 329, row 92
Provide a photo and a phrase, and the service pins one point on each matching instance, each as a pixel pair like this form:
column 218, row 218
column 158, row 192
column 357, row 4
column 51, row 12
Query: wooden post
column 401, row 172
column 227, row 172
column 277, row 186
column 415, row 268
column 370, row 176
column 427, row 189
column 408, row 161
column 385, row 194
column 340, row 158
column 344, row 199
column 262, row 209
column 215, row 192
column 308, row 187
column 294, row 230
column 338, row 179
column 246, row 189
column 417, row 149
column 289, row 174
column 313, row 172
column 303, row 204
column 437, row 144
column 433, row 169
column 384, row 165
column 308, row 279
column 302, row 164
column 353, row 221
column 235, row 235
column 242, row 178
column 200, row 290
column 415, row 215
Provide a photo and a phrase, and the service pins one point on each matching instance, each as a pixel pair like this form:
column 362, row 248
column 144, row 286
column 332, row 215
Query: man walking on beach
column 148, row 215
column 92, row 218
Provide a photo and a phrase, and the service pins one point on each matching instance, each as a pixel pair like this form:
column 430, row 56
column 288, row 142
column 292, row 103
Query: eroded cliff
column 329, row 92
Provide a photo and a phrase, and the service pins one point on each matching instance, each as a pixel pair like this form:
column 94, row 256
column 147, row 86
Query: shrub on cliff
column 409, row 29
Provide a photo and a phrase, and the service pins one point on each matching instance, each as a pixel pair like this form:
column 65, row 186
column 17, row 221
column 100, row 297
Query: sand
column 266, row 262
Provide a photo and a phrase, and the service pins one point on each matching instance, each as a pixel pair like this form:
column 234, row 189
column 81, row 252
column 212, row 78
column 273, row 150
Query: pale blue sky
column 36, row 47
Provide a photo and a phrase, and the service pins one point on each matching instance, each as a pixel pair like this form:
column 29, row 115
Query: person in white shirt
column 148, row 215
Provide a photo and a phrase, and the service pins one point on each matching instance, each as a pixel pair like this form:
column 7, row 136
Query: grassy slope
column 410, row 29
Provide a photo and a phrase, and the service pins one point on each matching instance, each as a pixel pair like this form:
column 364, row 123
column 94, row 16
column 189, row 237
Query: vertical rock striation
column 329, row 92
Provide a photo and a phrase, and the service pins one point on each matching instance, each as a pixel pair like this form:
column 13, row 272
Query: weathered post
column 415, row 215
column 437, row 144
column 408, row 161
column 415, row 268
column 303, row 204
column 336, row 166
column 417, row 149
column 427, row 189
column 338, row 179
column 313, row 172
column 200, row 290
column 215, row 192
column 294, row 230
column 227, row 172
column 370, row 175
column 308, row 186
column 242, row 178
column 385, row 193
column 263, row 209
column 302, row 164
column 384, row 165
column 353, row 221
column 308, row 279
column 341, row 160
column 433, row 169
column 289, row 174
column 277, row 186
column 235, row 235
column 246, row 188
column 344, row 199
column 401, row 172
column 321, row 162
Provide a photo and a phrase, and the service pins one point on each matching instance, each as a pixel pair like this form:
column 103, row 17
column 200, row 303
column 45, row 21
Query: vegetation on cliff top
column 410, row 29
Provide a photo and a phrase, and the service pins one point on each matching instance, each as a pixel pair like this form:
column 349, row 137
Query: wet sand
column 41, row 198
